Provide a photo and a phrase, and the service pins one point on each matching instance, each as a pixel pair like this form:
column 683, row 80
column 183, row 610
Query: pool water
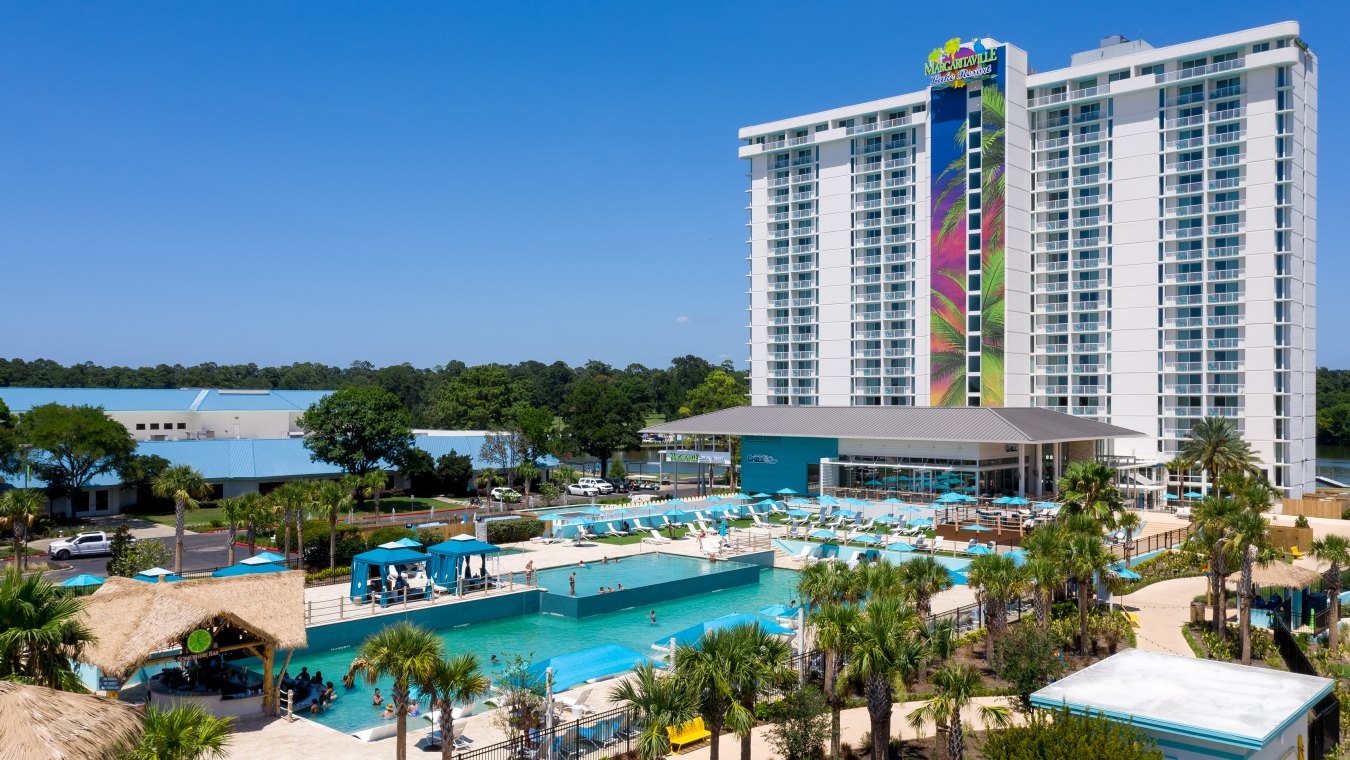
column 537, row 636
column 954, row 564
column 643, row 570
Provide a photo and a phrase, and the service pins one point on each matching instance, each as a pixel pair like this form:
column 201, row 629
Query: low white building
column 1201, row 709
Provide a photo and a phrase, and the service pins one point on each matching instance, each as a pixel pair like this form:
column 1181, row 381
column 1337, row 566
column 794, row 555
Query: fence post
column 342, row 607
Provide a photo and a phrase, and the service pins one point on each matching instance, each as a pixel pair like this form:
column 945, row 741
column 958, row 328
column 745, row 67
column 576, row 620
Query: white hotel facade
column 1153, row 254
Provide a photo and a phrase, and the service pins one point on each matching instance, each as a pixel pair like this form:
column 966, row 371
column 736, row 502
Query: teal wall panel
column 771, row 463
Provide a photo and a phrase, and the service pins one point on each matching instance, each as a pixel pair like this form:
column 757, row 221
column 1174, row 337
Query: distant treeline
column 452, row 396
column 1333, row 406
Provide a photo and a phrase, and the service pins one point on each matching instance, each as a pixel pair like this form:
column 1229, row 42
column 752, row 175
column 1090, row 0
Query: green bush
column 1070, row 737
column 1301, row 521
column 326, row 574
column 429, row 536
column 799, row 723
column 349, row 544
column 1028, row 659
column 513, row 531
column 386, row 534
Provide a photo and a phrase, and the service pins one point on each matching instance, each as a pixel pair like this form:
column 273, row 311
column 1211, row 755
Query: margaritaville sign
column 957, row 62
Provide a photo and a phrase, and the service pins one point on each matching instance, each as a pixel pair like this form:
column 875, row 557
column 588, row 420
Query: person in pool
column 493, row 660
column 377, row 699
column 652, row 616
column 329, row 694
column 388, row 712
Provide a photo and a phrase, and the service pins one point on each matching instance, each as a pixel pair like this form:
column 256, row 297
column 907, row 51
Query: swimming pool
column 633, row 572
column 955, row 565
column 537, row 636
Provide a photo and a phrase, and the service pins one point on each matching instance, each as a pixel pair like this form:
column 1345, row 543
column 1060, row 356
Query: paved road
column 201, row 551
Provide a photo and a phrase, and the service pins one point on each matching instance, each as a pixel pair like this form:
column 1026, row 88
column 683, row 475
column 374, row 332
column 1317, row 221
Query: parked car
column 81, row 545
column 577, row 489
column 598, row 484
column 619, row 485
column 508, row 495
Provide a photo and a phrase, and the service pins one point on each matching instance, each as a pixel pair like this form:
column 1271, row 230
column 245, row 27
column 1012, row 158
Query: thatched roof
column 39, row 722
column 133, row 619
column 1280, row 574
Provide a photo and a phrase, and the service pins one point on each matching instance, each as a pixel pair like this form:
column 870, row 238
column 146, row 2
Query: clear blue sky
column 489, row 181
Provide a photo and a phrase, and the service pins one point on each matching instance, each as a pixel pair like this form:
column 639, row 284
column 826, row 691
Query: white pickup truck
column 81, row 545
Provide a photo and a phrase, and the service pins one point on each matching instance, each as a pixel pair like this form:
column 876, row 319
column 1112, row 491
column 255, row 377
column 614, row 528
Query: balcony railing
column 1199, row 71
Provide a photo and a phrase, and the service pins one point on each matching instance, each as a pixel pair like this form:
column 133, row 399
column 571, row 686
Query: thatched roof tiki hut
column 39, row 722
column 140, row 623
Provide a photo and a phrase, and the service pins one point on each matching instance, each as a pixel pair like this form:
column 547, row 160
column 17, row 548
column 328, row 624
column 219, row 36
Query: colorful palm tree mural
column 949, row 327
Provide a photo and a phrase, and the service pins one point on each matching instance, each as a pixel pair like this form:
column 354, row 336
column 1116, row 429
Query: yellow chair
column 1133, row 617
column 1295, row 553
column 686, row 734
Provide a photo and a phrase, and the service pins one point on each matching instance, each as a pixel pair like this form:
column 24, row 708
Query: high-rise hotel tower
column 1131, row 238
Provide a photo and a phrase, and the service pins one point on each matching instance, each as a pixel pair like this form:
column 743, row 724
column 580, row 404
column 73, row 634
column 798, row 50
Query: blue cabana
column 449, row 559
column 245, row 568
column 375, row 564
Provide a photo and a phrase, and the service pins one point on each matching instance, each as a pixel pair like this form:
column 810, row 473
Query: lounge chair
column 921, row 544
column 612, row 531
column 655, row 538
column 937, row 544
column 804, row 554
column 1296, row 553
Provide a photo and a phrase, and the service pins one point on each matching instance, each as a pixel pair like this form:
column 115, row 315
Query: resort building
column 1198, row 709
column 1130, row 239
column 865, row 451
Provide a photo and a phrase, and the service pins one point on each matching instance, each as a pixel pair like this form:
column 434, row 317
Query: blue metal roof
column 20, row 400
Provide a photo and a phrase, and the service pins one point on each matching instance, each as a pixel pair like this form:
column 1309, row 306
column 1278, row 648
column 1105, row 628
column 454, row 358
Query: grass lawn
column 405, row 504
column 618, row 540
column 206, row 514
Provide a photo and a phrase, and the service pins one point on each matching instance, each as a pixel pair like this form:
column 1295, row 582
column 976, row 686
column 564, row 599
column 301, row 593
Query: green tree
column 1251, row 538
column 480, row 398
column 1213, row 519
column 956, row 685
column 9, row 441
column 357, row 429
column 997, row 580
column 234, row 513
column 719, row 390
column 291, row 502
column 1027, row 660
column 528, row 472
column 762, row 668
column 185, row 485
column 712, row 669
column 538, row 427
column 455, row 470
column 1215, row 444
column 41, row 635
column 73, row 445
column 375, row 481
column 601, row 419
column 333, row 498
column 659, row 702
column 1088, row 487
column 1335, row 551
column 1177, row 467
column 257, row 514
column 186, row 732
column 1128, row 523
column 617, row 470
column 833, row 622
column 1066, row 736
column 549, row 493
column 457, row 680
column 406, row 653
column 882, row 648
column 19, row 507
column 1045, row 566
column 798, row 723
column 921, row 579
column 1086, row 559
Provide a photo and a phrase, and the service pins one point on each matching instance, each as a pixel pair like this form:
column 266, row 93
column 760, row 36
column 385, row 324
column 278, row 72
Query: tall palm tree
column 827, row 582
column 1045, row 566
column 18, row 508
column 40, row 632
column 921, row 579
column 1088, row 487
column 1086, row 559
column 488, row 478
column 997, row 580
column 882, row 647
column 234, row 510
column 291, row 502
column 1334, row 550
column 185, row 485
column 528, row 472
column 187, row 732
column 1215, row 444
column 1251, row 537
column 1178, row 466
column 257, row 514
column 878, row 579
column 457, row 680
column 333, row 499
column 1213, row 520
column 407, row 653
column 1128, row 523
column 375, row 482
column 713, row 669
column 956, row 685
column 659, row 702
column 762, row 667
column 832, row 622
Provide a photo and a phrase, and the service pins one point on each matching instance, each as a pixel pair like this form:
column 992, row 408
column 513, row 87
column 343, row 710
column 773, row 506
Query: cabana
column 451, row 562
column 247, row 568
column 370, row 568
column 60, row 725
column 137, row 624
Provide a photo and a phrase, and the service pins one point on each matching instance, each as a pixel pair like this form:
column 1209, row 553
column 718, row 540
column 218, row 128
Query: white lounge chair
column 804, row 554
column 937, row 544
column 655, row 538
column 612, row 531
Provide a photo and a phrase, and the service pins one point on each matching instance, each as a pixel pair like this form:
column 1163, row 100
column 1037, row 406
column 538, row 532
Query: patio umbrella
column 1045, row 505
column 402, row 543
column 154, row 574
column 83, row 580
column 892, row 500
column 891, row 479
column 786, row 492
column 1002, row 500
column 911, row 510
column 799, row 513
column 867, row 538
column 950, row 496
column 675, row 501
column 872, row 483
column 888, row 519
column 827, row 500
column 759, row 496
column 1194, row 495
column 979, row 549
column 1018, row 556
column 976, row 527
column 1018, row 501
column 267, row 557
column 922, row 522
column 846, row 513
column 824, row 535
column 900, row 546
column 766, row 503
column 742, row 496
column 1171, row 496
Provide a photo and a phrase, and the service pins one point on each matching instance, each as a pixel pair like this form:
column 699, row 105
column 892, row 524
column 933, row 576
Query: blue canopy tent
column 693, row 633
column 375, row 564
column 450, row 560
column 265, row 557
column 586, row 665
column 245, row 568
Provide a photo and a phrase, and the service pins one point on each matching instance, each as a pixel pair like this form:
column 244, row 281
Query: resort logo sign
column 957, row 62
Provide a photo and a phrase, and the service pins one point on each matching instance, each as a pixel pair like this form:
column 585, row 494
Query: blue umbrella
column 759, row 496
column 892, row 500
column 675, row 501
column 766, row 503
column 872, row 482
column 958, row 577
column 799, row 513
column 1019, row 557
column 867, row 538
column 1045, row 505
column 979, row 549
column 1018, row 501
column 786, row 492
column 976, row 527
column 155, row 573
column 888, row 519
column 713, row 498
column 268, row 557
column 1194, row 495
column 1171, row 496
column 1127, row 574
column 846, row 513
column 1002, row 500
column 674, row 513
column 827, row 500
column 922, row 522
column 950, row 496
column 823, row 534
column 900, row 546
column 83, row 580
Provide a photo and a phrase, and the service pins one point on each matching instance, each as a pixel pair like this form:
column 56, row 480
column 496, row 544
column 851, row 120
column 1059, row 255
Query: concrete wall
column 768, row 463
column 436, row 617
column 641, row 596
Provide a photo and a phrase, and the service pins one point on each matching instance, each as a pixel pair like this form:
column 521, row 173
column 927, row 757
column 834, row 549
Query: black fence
column 1324, row 727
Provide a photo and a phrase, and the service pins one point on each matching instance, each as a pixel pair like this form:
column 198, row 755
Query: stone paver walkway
column 1163, row 608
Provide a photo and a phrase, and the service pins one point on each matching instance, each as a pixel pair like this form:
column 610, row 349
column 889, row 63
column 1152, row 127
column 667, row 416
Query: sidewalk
column 1163, row 608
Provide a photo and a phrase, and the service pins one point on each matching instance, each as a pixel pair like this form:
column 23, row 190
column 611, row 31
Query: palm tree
column 40, row 632
column 257, row 514
column 566, row 475
column 1088, row 487
column 234, row 510
column 1177, row 467
column 375, row 482
column 921, row 579
column 1128, row 522
column 1086, row 559
column 333, row 498
column 1215, row 444
column 832, row 622
column 527, row 471
column 712, row 669
column 407, row 653
column 878, row 579
column 458, row 680
column 18, row 508
column 1251, row 537
column 1045, row 566
column 659, row 702
column 1213, row 520
column 292, row 500
column 185, row 486
column 187, row 732
column 997, row 580
column 488, row 478
column 956, row 687
column 882, row 647
column 762, row 666
column 1335, row 550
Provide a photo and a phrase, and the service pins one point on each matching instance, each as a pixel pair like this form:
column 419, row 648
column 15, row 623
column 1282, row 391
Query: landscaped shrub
column 349, row 544
column 386, row 534
column 1028, row 658
column 324, row 575
column 1301, row 521
column 1070, row 737
column 513, row 531
column 800, row 725
column 429, row 536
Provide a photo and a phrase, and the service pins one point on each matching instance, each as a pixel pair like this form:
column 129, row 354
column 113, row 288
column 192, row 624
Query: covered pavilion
column 60, row 725
column 451, row 560
column 137, row 624
column 369, row 568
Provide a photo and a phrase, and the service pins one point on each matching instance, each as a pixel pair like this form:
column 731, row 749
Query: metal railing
column 604, row 734
column 374, row 602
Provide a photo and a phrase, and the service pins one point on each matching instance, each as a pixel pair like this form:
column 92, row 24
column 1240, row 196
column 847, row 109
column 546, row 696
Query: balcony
column 778, row 269
column 1224, row 229
column 867, row 260
column 1199, row 71
column 1087, row 116
column 1054, row 163
column 873, row 185
column 1191, row 142
column 896, row 314
column 1055, row 266
column 1058, row 142
column 901, row 238
column 1225, row 184
column 1184, row 233
column 1233, row 160
column 1184, row 121
column 1184, row 322
column 1224, row 297
column 896, row 201
column 898, row 163
column 1052, row 226
column 1087, row 411
column 803, row 248
column 870, row 166
column 1055, row 287
column 1094, row 220
column 1083, row 201
column 1088, row 369
column 1178, row 277
column 1226, row 389
column 803, row 391
column 1185, row 166
column 1184, row 390
column 1224, row 206
column 804, row 196
column 801, row 302
column 893, row 334
column 1184, row 345
column 896, row 258
column 1185, row 300
column 1224, row 320
column 1052, row 184
column 1089, row 284
column 1054, row 307
column 1225, row 92
column 803, row 266
column 1185, row 99
column 1228, row 114
column 1221, row 366
column 1190, row 187
column 1223, row 275
column 1224, row 411
column 1052, row 245
column 804, row 177
column 898, row 181
column 1184, row 411
column 803, row 355
column 869, row 223
column 1218, row 343
column 1226, row 137
column 1088, row 263
column 1085, row 306
column 1183, row 367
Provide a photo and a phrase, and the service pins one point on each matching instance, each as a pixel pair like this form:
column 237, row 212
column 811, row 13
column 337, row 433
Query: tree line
column 452, row 396
column 1333, row 406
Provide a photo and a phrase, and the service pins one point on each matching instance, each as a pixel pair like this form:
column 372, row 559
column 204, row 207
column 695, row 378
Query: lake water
column 1334, row 462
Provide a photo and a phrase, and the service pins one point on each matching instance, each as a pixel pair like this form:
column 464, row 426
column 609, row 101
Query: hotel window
column 154, row 426
column 1260, row 47
column 182, row 426
column 140, row 425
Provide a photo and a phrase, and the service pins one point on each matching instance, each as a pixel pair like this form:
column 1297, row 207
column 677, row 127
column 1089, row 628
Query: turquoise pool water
column 955, row 564
column 644, row 570
column 538, row 636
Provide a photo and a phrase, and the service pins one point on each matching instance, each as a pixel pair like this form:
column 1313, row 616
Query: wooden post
column 269, row 688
